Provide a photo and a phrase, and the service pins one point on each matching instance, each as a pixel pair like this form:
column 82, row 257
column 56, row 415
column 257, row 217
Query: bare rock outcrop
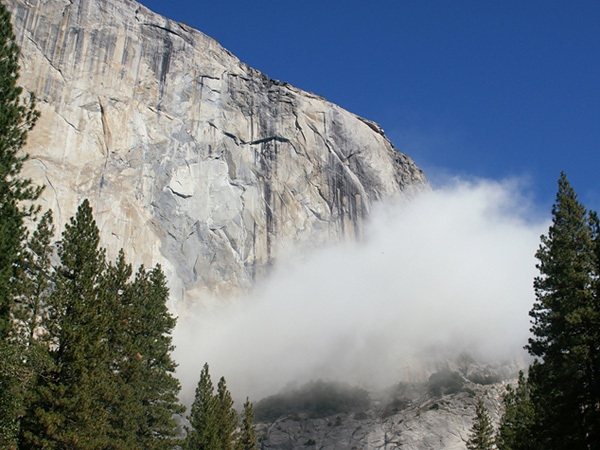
column 419, row 422
column 189, row 157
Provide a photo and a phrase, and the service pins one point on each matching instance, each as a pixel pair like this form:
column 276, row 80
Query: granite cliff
column 190, row 157
column 413, row 421
column 196, row 161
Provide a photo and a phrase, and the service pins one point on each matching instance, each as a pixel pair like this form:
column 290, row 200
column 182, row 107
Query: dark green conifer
column 564, row 379
column 67, row 374
column 148, row 369
column 27, row 338
column 124, row 410
column 111, row 383
column 34, row 285
column 227, row 419
column 482, row 432
column 204, row 432
column 139, row 336
column 17, row 117
column 10, row 394
column 27, row 341
column 591, row 355
column 247, row 438
column 514, row 432
column 67, row 410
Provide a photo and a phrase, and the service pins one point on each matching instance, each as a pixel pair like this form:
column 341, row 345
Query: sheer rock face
column 189, row 157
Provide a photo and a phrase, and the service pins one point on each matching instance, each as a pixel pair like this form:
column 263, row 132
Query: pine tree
column 514, row 432
column 10, row 391
column 204, row 434
column 17, row 117
column 148, row 370
column 247, row 438
column 26, row 340
column 34, row 284
column 111, row 383
column 67, row 409
column 123, row 407
column 564, row 378
column 213, row 419
column 482, row 432
column 139, row 336
column 227, row 419
column 591, row 355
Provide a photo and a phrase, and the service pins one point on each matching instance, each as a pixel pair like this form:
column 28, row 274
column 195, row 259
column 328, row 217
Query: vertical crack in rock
column 106, row 141
column 268, row 164
column 165, row 64
column 199, row 139
column 346, row 193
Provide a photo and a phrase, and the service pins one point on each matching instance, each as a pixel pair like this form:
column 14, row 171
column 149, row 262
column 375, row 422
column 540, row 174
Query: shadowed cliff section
column 189, row 157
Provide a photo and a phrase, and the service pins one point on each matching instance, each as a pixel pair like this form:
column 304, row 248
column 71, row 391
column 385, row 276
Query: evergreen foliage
column 248, row 439
column 17, row 117
column 227, row 418
column 445, row 382
column 214, row 421
column 204, row 434
column 482, row 432
column 518, row 418
column 10, row 394
column 110, row 382
column 34, row 284
column 315, row 399
column 565, row 377
column 147, row 370
column 84, row 350
column 25, row 353
column 68, row 410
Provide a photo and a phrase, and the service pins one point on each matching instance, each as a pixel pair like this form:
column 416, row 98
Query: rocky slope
column 189, row 157
column 413, row 420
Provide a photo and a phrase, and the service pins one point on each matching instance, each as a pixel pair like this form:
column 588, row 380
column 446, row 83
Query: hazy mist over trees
column 87, row 344
column 565, row 376
column 558, row 405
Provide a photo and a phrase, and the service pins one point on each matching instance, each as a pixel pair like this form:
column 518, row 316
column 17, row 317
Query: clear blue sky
column 484, row 89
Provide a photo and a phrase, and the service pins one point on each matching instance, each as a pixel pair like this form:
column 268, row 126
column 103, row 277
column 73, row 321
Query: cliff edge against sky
column 189, row 157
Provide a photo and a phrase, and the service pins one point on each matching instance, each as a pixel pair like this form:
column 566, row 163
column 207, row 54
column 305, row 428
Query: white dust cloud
column 447, row 272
